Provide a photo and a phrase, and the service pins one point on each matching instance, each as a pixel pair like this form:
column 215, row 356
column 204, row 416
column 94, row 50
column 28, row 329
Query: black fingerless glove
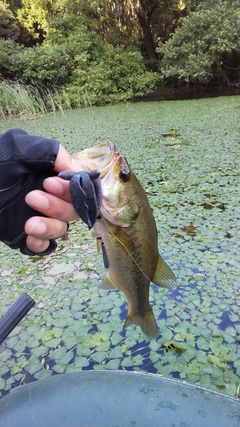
column 25, row 161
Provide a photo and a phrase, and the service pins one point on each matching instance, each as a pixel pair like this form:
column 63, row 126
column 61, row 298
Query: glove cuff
column 51, row 248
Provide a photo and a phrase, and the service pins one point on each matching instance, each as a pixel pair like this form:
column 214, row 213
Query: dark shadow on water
column 190, row 92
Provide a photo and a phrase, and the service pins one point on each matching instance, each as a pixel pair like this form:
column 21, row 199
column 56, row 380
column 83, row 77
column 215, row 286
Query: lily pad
column 192, row 181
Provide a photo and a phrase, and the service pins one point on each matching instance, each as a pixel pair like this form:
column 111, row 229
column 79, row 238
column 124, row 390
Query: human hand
column 55, row 203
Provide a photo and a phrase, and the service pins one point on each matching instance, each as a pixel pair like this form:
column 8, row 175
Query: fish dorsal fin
column 164, row 276
column 107, row 284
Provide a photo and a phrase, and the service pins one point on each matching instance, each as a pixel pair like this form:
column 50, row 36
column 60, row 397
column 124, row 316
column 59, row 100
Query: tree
column 33, row 17
column 127, row 22
column 157, row 19
column 203, row 40
column 9, row 28
column 144, row 11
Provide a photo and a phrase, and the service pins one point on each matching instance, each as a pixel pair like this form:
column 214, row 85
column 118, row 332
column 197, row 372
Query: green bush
column 9, row 49
column 43, row 65
column 76, row 38
column 194, row 52
column 51, row 64
column 120, row 75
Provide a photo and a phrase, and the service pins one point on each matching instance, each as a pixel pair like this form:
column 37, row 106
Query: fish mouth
column 101, row 158
column 118, row 172
column 113, row 168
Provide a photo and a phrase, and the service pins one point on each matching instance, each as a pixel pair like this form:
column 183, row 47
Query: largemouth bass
column 126, row 232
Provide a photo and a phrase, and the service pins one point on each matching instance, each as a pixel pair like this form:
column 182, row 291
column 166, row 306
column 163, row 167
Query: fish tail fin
column 146, row 322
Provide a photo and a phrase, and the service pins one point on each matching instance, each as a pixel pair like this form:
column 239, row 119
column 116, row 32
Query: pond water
column 187, row 156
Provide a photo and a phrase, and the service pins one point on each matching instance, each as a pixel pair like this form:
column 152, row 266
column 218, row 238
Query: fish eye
column 124, row 175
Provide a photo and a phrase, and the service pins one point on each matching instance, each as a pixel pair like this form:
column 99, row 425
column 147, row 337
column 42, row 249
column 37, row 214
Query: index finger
column 57, row 187
column 51, row 206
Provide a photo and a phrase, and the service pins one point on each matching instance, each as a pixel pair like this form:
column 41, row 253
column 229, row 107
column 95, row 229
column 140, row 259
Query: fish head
column 121, row 190
column 98, row 158
column 120, row 187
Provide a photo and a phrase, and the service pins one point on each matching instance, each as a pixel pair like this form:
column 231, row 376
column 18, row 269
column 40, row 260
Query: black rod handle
column 14, row 315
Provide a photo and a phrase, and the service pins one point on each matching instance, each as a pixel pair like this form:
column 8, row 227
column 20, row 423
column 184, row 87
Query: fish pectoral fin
column 123, row 240
column 164, row 276
column 107, row 284
column 146, row 322
column 99, row 245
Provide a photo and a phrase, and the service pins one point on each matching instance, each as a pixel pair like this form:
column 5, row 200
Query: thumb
column 65, row 162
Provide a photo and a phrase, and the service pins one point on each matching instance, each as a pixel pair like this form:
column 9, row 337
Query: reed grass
column 19, row 99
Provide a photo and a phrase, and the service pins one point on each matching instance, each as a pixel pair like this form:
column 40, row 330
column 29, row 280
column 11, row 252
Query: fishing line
column 138, row 266
column 126, row 249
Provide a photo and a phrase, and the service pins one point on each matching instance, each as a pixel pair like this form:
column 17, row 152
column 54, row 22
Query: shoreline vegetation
column 20, row 100
column 29, row 102
column 78, row 54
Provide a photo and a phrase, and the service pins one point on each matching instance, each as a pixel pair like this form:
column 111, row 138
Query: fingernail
column 36, row 200
column 38, row 244
column 38, row 229
column 53, row 185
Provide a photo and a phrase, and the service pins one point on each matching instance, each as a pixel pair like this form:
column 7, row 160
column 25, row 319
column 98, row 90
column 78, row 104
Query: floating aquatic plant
column 191, row 174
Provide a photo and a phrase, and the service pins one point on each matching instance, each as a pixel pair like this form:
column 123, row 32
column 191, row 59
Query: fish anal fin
column 163, row 275
column 107, row 284
column 146, row 322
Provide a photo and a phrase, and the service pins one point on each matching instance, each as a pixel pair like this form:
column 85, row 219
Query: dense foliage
column 105, row 52
column 204, row 45
column 120, row 75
